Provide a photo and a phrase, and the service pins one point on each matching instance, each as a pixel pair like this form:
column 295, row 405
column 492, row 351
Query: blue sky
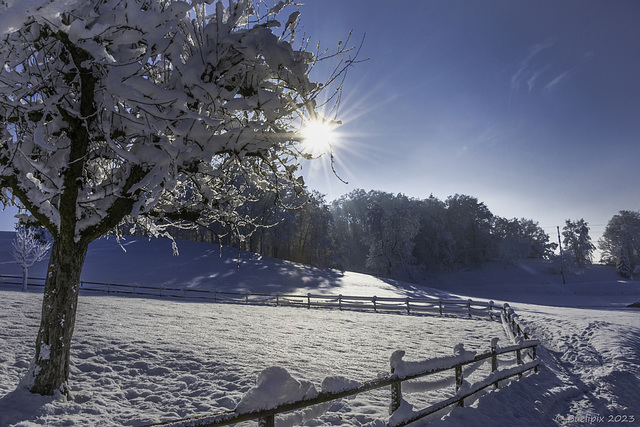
column 533, row 107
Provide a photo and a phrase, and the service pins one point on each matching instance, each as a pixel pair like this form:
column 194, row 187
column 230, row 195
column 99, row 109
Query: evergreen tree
column 623, row 265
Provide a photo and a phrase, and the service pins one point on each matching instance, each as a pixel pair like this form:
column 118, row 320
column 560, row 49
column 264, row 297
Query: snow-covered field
column 137, row 361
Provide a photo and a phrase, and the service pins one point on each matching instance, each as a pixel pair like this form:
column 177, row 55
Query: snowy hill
column 207, row 266
column 136, row 361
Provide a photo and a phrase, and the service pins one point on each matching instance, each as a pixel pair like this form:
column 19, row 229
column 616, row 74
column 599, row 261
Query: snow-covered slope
column 540, row 282
column 208, row 266
column 136, row 361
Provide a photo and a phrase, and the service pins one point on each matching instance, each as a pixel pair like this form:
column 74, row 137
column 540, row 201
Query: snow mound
column 274, row 387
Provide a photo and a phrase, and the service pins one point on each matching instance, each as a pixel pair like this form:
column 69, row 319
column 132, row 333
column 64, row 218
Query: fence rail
column 341, row 302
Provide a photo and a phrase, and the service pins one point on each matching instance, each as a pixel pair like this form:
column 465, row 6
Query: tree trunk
column 50, row 368
column 25, row 276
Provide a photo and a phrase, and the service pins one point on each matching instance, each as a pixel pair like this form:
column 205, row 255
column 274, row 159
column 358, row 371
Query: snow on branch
column 27, row 248
column 121, row 110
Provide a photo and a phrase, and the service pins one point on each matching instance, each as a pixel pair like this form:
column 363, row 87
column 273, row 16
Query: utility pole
column 561, row 257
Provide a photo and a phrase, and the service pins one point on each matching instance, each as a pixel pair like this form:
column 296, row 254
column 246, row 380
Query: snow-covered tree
column 28, row 248
column 374, row 232
column 143, row 112
column 578, row 242
column 469, row 221
column 312, row 243
column 428, row 249
column 620, row 242
column 350, row 229
column 393, row 224
column 517, row 239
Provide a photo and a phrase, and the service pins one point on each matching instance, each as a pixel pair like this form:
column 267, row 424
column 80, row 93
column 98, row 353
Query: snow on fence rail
column 264, row 408
column 341, row 302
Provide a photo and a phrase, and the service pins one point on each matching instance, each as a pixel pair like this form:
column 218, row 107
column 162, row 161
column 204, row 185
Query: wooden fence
column 462, row 362
column 341, row 302
column 400, row 373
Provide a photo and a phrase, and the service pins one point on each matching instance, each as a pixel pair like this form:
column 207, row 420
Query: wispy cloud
column 531, row 82
column 559, row 79
column 563, row 76
column 540, row 69
column 529, row 69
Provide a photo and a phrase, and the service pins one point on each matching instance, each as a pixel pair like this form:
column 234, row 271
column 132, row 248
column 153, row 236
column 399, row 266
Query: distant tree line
column 396, row 236
column 391, row 235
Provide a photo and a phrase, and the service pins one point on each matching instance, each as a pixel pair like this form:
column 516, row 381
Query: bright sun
column 318, row 136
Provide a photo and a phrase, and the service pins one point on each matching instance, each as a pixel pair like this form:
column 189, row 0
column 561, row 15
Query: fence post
column 491, row 309
column 396, row 387
column 408, row 308
column 518, row 330
column 340, row 302
column 396, row 396
column 246, row 297
column 469, row 307
column 494, row 358
column 519, row 360
column 375, row 308
column 215, row 296
column 440, row 303
column 309, row 300
column 505, row 309
column 268, row 421
column 277, row 299
column 535, row 369
column 459, row 379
